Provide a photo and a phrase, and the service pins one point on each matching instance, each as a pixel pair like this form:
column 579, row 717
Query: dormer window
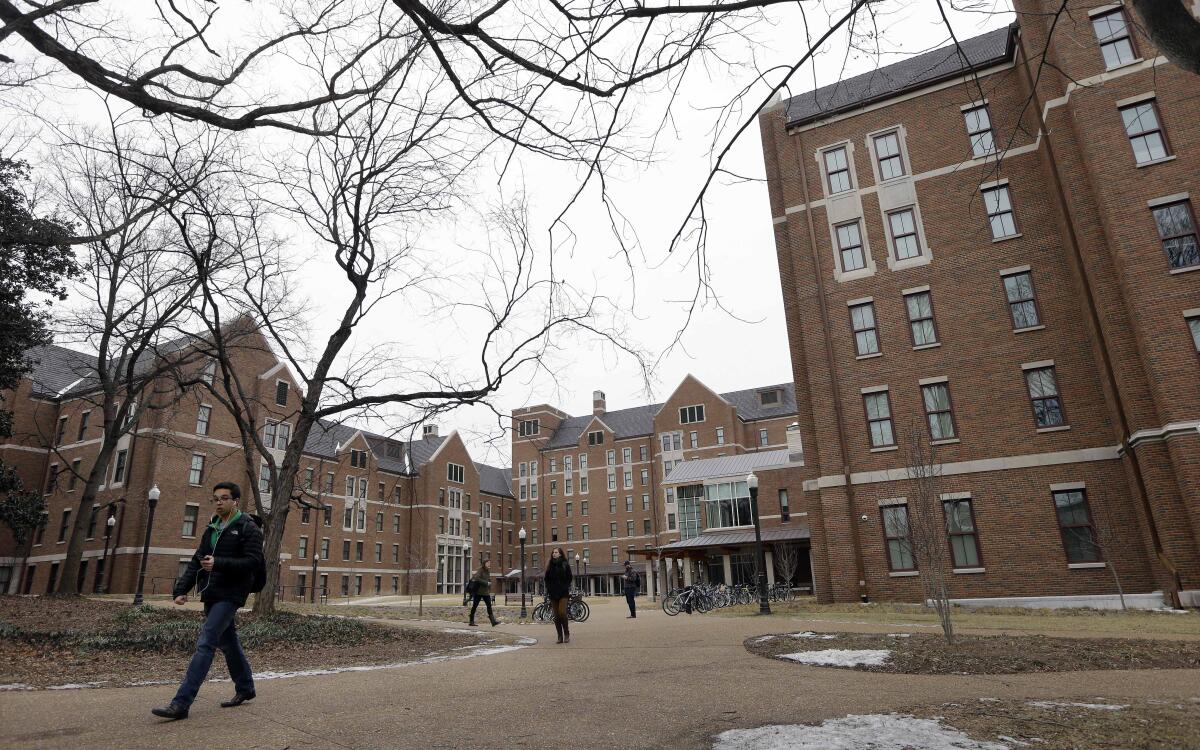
column 596, row 438
column 393, row 450
column 358, row 459
column 769, row 398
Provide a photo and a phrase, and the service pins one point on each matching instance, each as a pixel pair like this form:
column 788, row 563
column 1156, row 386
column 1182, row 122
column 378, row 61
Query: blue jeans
column 218, row 631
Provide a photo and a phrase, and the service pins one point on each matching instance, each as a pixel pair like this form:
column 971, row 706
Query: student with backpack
column 227, row 567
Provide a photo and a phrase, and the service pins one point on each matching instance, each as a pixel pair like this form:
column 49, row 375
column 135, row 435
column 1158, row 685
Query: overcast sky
column 736, row 341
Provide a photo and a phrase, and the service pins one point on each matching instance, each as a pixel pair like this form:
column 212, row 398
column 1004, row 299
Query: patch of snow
column 859, row 732
column 1069, row 704
column 1012, row 741
column 479, row 633
column 16, row 686
column 810, row 634
column 899, row 635
column 76, row 686
column 840, row 657
column 763, row 639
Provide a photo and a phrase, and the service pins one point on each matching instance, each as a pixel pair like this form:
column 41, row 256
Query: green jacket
column 483, row 582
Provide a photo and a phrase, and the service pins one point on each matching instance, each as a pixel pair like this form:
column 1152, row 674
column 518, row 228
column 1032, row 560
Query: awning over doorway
column 736, row 466
column 733, row 539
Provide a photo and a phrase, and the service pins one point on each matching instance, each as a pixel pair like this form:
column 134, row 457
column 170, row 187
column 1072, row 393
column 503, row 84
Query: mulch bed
column 50, row 641
column 921, row 653
column 1080, row 723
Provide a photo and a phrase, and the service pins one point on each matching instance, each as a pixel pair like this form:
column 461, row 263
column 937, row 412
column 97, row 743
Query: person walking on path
column 224, row 571
column 558, row 588
column 481, row 588
column 631, row 583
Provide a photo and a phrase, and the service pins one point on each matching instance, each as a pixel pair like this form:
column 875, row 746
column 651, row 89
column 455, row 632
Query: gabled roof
column 919, row 71
column 494, row 480
column 55, row 368
column 639, row 420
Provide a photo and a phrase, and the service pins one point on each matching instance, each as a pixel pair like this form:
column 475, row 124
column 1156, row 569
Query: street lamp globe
column 112, row 521
column 752, row 481
column 521, row 534
column 154, row 494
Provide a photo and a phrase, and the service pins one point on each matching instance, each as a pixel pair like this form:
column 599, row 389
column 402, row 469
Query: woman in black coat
column 558, row 588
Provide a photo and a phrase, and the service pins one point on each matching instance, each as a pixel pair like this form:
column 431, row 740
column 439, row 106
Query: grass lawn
column 1082, row 622
column 48, row 641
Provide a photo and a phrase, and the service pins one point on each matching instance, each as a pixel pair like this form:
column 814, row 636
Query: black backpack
column 259, row 582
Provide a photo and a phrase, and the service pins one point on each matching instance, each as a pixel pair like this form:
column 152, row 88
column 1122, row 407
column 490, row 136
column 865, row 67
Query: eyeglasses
column 223, row 498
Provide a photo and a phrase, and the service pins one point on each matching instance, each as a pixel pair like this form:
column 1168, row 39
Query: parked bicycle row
column 705, row 597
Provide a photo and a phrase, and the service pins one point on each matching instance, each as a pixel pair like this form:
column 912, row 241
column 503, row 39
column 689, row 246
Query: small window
column 1022, row 305
column 897, row 538
column 768, row 398
column 646, row 526
column 1043, row 394
column 281, row 392
column 612, row 505
column 301, row 551
column 64, row 525
column 628, row 504
column 203, row 415
column 784, row 509
column 691, row 414
column 693, row 439
column 61, row 433
column 670, row 522
column 837, row 170
column 455, row 473
column 612, row 529
column 1145, row 132
column 1194, row 327
column 645, row 475
column 629, row 528
column 119, row 469
column 554, row 510
column 553, row 487
column 74, row 477
column 52, row 479
column 1075, row 524
column 879, row 419
column 964, row 540
column 850, row 246
column 936, row 398
column 327, row 516
column 903, row 225
column 763, row 439
column 887, row 153
column 720, row 436
column 627, row 453
column 1112, row 31
column 642, row 453
column 527, row 428
column 83, row 425
column 196, row 471
column 920, row 318
column 1177, row 229
column 979, row 130
column 999, row 210
column 378, row 553
column 645, row 502
column 190, row 514
column 866, row 337
column 596, row 438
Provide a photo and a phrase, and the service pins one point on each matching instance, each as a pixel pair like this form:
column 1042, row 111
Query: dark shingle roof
column 639, row 420
column 918, row 71
column 494, row 480
column 56, row 367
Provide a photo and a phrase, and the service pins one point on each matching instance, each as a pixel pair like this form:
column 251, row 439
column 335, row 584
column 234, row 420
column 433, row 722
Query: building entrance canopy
column 699, row 545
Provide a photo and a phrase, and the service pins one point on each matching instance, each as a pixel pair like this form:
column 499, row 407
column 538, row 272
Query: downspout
column 835, row 379
column 1094, row 318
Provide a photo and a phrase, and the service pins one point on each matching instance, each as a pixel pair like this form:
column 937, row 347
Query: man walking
column 631, row 582
column 223, row 570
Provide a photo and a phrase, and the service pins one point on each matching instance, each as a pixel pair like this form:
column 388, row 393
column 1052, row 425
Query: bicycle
column 577, row 609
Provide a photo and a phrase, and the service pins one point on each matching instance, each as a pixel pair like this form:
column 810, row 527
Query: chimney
column 795, row 443
column 598, row 404
column 429, row 430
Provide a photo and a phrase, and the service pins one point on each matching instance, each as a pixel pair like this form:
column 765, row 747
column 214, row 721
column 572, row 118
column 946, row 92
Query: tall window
column 896, row 537
column 837, row 170
column 75, row 467
column 325, row 548
column 1075, row 523
column 1112, row 31
column 690, row 414
column 920, row 318
column 862, row 320
column 52, row 479
column 887, row 152
column 1177, row 229
column 720, row 436
column 964, row 540
column 904, row 234
column 642, row 453
column 64, row 525
column 196, row 472
column 281, row 392
column 1194, row 326
column 979, row 129
column 1043, row 394
column 1144, row 131
column 936, row 398
column 763, row 437
column 645, row 477
column 301, row 551
column 850, row 246
column 119, row 469
column 83, row 424
column 190, row 514
column 999, row 210
column 629, row 528
column 627, row 453
column 203, row 415
column 784, row 509
column 612, row 529
column 1022, row 305
column 879, row 419
column 61, row 432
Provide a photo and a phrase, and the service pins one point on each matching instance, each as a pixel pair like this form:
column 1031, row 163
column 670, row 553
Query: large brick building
column 397, row 516
column 1001, row 253
column 630, row 484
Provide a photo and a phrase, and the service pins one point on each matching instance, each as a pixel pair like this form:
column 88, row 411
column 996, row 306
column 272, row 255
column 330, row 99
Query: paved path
column 653, row 682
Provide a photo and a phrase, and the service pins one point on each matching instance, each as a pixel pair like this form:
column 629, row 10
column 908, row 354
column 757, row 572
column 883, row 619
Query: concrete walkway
column 651, row 682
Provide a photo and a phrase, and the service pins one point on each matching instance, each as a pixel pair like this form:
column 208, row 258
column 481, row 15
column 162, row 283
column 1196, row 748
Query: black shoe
column 495, row 623
column 238, row 700
column 471, row 623
column 560, row 639
column 172, row 711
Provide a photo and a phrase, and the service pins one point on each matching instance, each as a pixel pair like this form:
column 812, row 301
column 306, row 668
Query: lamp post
column 585, row 578
column 110, row 523
column 152, row 500
column 764, row 608
column 576, row 564
column 521, row 536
